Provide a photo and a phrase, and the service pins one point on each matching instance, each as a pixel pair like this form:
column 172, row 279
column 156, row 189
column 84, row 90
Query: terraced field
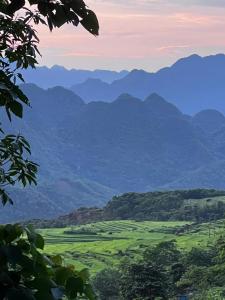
column 103, row 244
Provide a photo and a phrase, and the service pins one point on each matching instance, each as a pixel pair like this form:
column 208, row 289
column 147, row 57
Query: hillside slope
column 199, row 205
column 111, row 148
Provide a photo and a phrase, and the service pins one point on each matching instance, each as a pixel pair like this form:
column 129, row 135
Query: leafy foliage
column 144, row 281
column 191, row 205
column 13, row 166
column 19, row 50
column 165, row 253
column 151, row 277
column 198, row 206
column 26, row 273
column 19, row 40
column 107, row 284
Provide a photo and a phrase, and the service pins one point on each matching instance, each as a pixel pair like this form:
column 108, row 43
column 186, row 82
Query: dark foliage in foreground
column 27, row 274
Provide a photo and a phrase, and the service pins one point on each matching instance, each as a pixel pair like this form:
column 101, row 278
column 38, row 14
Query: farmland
column 102, row 244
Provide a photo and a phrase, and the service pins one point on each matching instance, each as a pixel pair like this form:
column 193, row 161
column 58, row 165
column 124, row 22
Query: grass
column 103, row 244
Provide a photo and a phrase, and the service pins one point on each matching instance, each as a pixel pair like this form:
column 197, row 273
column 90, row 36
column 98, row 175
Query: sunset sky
column 141, row 34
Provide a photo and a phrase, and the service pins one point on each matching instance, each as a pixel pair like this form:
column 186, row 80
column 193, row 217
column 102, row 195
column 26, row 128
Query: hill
column 188, row 205
column 192, row 84
column 99, row 149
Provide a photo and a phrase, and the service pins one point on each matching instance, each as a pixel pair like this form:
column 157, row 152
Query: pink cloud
column 131, row 36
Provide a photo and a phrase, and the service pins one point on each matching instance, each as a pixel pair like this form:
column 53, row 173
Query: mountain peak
column 137, row 75
column 126, row 98
column 58, row 68
column 189, row 60
column 159, row 105
column 210, row 120
column 138, row 71
column 154, row 97
column 62, row 93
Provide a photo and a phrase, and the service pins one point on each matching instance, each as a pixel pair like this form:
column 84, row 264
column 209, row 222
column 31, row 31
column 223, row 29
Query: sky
column 138, row 34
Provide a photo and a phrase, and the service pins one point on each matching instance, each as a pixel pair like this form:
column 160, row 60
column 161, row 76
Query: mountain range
column 57, row 75
column 90, row 151
column 192, row 84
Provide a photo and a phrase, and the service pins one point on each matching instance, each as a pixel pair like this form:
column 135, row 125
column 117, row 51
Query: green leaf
column 57, row 260
column 74, row 285
column 39, row 242
column 89, row 293
column 84, row 274
column 60, row 17
column 90, row 22
column 19, row 294
column 15, row 5
column 62, row 274
column 12, row 232
column 35, row 238
column 16, row 108
column 13, row 253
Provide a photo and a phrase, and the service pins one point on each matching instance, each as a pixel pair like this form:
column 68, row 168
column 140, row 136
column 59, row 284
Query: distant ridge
column 197, row 205
column 58, row 75
column 160, row 106
column 89, row 151
column 192, row 84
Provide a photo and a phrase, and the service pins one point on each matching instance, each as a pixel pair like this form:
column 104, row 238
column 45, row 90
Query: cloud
column 139, row 34
column 154, row 3
column 172, row 47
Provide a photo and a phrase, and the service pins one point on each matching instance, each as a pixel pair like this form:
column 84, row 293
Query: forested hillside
column 90, row 152
column 198, row 206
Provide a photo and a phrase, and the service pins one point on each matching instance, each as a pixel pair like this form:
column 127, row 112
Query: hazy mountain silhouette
column 57, row 75
column 88, row 152
column 192, row 84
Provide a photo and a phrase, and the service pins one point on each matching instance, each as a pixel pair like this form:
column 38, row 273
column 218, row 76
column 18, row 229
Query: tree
column 200, row 257
column 18, row 49
column 107, row 284
column 143, row 281
column 25, row 273
column 164, row 254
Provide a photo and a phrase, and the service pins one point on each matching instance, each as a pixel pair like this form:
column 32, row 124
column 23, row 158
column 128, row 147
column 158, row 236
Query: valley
column 112, row 150
column 98, row 245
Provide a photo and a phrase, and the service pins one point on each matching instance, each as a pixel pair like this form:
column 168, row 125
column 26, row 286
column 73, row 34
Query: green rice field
column 104, row 244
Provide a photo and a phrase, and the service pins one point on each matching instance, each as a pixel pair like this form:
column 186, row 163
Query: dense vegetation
column 25, row 273
column 98, row 245
column 188, row 205
column 165, row 272
column 191, row 265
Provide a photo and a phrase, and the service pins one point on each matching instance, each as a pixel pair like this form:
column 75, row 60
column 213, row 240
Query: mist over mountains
column 90, row 151
column 192, row 84
column 57, row 75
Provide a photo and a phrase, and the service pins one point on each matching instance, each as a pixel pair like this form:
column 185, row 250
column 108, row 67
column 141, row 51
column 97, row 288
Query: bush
column 27, row 274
